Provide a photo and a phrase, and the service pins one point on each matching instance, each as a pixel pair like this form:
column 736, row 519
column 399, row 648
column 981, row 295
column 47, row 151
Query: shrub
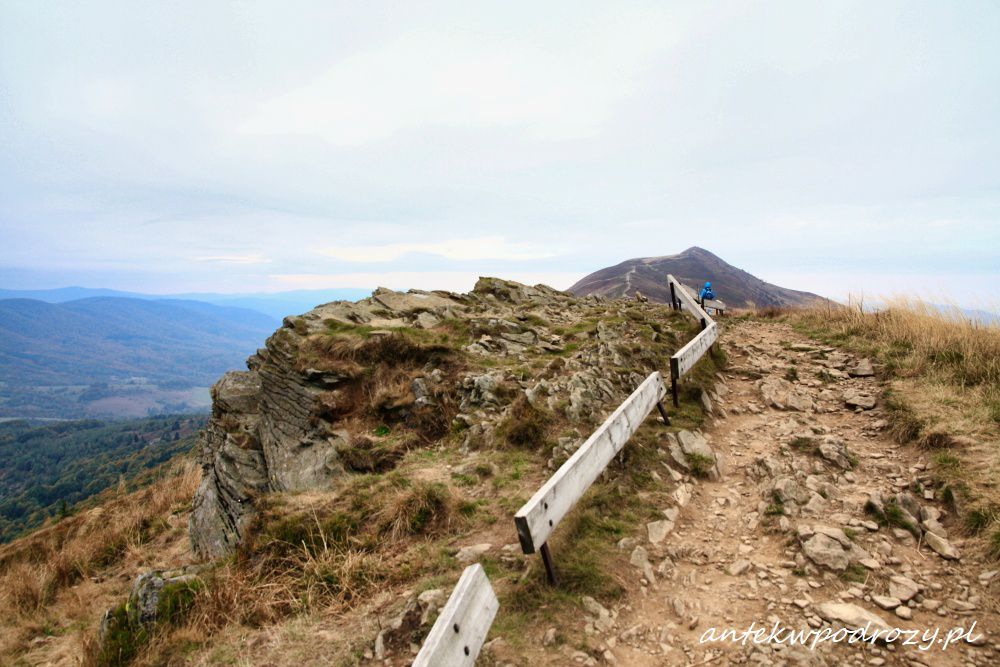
column 423, row 508
column 526, row 425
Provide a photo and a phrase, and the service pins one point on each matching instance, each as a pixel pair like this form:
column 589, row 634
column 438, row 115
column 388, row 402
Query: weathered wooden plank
column 543, row 512
column 460, row 630
column 688, row 300
column 689, row 355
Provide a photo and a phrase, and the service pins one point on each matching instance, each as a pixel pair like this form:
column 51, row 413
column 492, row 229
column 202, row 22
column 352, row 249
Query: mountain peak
column 692, row 266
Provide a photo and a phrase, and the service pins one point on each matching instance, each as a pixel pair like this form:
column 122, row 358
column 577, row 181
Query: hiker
column 706, row 293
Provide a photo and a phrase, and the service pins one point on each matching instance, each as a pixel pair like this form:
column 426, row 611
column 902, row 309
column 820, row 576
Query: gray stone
column 471, row 553
column 942, row 546
column 903, row 588
column 857, row 399
column 658, row 530
column 738, row 567
column 886, row 602
column 824, row 550
column 851, row 616
column 862, row 369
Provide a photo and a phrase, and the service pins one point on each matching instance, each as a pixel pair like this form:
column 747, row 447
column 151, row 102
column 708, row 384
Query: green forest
column 48, row 468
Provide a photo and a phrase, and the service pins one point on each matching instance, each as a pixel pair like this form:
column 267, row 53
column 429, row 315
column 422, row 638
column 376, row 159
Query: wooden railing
column 461, row 628
column 686, row 357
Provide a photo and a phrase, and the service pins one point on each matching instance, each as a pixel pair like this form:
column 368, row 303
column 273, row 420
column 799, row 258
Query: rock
column 862, row 369
column 429, row 602
column 824, row 550
column 782, row 395
column 706, row 402
column 903, row 588
column 942, row 546
column 602, row 617
column 887, row 603
column 738, row 567
column 550, row 637
column 639, row 557
column 788, row 489
column 658, row 530
column 816, row 505
column 857, row 399
column 682, row 494
column 851, row 616
column 425, row 320
column 904, row 612
column 471, row 553
column 144, row 599
column 698, row 455
column 835, row 451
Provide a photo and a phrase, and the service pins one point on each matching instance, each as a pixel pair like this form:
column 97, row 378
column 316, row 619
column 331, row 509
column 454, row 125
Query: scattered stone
column 887, row 603
column 472, row 552
column 738, row 567
column 826, row 551
column 903, row 588
column 942, row 546
column 862, row 369
column 851, row 616
column 658, row 530
column 856, row 399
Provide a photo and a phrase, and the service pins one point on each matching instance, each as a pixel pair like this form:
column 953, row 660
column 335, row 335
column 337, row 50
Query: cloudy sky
column 193, row 146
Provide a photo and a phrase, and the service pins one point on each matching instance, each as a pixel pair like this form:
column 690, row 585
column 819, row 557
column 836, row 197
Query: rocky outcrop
column 425, row 360
column 274, row 427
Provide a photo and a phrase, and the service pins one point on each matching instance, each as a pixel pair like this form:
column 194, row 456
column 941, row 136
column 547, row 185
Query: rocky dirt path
column 783, row 536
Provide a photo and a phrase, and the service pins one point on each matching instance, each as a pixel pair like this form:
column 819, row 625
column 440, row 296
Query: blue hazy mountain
column 274, row 304
column 119, row 356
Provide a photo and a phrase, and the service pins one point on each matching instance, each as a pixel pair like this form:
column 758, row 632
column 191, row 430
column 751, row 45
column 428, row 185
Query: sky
column 837, row 147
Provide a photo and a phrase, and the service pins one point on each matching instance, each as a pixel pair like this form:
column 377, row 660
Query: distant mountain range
column 693, row 267
column 273, row 304
column 116, row 356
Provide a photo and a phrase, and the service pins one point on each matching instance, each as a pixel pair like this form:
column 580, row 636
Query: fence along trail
column 460, row 630
column 538, row 517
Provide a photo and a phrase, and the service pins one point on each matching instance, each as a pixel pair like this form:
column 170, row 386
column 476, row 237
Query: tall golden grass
column 913, row 338
column 34, row 569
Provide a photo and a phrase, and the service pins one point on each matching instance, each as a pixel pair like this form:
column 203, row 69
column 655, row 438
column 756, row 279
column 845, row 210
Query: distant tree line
column 47, row 468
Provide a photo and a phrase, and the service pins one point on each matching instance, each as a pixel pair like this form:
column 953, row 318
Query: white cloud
column 487, row 247
column 234, row 259
column 469, row 80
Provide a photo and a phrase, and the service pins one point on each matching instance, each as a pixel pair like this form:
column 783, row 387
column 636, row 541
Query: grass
column 854, row 574
column 993, row 546
column 526, row 426
column 700, row 464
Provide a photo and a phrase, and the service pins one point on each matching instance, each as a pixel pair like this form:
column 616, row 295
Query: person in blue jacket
column 706, row 293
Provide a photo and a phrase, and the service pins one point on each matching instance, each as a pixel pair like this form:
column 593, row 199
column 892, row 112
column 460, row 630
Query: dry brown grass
column 916, row 339
column 35, row 568
column 45, row 576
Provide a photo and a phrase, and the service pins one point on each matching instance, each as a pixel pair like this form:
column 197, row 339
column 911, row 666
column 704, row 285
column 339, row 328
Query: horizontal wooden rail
column 461, row 628
column 686, row 357
column 539, row 516
column 682, row 295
